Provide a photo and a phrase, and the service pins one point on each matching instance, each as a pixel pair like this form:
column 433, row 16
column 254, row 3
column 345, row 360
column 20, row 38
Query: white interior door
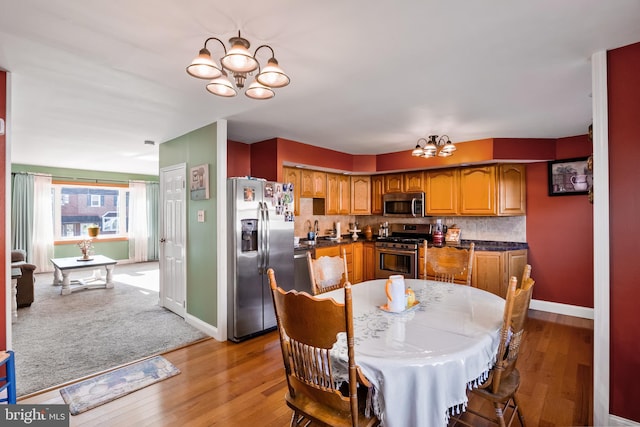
column 173, row 226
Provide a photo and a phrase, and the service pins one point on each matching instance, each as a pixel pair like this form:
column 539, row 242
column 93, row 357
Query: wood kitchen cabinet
column 360, row 195
column 377, row 190
column 512, row 184
column 492, row 269
column 356, row 275
column 338, row 190
column 333, row 195
column 493, row 190
column 369, row 260
column 344, row 195
column 442, row 191
column 413, row 181
column 478, row 190
column 313, row 183
column 394, row 183
column 292, row 175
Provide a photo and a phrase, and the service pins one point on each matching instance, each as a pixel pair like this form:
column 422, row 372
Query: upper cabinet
column 486, row 190
column 413, row 181
column 442, row 190
column 292, row 175
column 478, row 190
column 337, row 201
column 394, row 183
column 494, row 190
column 377, row 190
column 360, row 195
column 513, row 189
column 313, row 183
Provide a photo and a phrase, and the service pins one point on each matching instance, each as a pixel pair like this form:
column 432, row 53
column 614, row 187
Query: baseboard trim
column 565, row 309
column 615, row 421
column 203, row 327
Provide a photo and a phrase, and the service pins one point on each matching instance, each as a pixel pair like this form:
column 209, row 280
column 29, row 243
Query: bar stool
column 8, row 382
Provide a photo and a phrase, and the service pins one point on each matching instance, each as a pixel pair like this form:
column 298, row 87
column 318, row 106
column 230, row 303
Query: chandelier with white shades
column 239, row 63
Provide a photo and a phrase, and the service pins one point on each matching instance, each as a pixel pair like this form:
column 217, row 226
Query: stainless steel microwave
column 403, row 204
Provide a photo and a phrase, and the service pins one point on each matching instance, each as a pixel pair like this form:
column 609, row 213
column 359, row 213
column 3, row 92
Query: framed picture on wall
column 199, row 182
column 569, row 177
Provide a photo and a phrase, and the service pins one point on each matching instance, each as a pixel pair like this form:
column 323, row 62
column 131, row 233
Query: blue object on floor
column 8, row 382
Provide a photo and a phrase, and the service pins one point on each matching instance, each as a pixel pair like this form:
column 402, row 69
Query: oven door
column 395, row 261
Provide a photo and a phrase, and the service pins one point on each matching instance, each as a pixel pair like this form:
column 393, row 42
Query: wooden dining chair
column 308, row 329
column 526, row 273
column 328, row 273
column 504, row 379
column 448, row 264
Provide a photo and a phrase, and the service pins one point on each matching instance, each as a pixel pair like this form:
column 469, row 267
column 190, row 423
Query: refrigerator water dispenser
column 249, row 236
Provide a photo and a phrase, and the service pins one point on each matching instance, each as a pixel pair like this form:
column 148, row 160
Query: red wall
column 238, row 159
column 560, row 234
column 624, row 227
column 3, row 219
column 264, row 160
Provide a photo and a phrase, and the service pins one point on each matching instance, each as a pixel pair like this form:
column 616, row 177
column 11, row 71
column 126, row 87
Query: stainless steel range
column 398, row 253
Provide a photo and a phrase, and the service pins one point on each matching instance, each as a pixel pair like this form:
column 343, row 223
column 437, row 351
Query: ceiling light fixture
column 239, row 62
column 435, row 146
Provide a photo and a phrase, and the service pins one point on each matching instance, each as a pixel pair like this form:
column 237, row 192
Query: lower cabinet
column 492, row 269
column 356, row 275
column 369, row 260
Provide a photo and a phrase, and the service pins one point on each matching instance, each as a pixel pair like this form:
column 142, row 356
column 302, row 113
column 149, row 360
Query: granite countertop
column 480, row 245
column 490, row 245
column 324, row 242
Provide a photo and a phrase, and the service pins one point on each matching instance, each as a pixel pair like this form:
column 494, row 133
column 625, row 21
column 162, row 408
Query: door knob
column 163, row 240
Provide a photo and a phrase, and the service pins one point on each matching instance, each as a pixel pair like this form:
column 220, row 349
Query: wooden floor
column 227, row 384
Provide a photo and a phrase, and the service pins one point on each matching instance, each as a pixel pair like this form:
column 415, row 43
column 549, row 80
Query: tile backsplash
column 503, row 229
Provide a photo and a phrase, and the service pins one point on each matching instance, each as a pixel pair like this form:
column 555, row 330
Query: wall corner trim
column 564, row 309
column 202, row 326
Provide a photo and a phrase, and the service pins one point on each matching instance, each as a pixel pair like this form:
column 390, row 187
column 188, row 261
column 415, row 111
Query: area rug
column 104, row 388
column 96, row 329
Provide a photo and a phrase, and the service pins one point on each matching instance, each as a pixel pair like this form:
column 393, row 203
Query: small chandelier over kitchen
column 239, row 62
column 435, row 146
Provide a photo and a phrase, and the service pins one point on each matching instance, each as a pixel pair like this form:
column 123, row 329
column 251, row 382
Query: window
column 77, row 206
column 96, row 200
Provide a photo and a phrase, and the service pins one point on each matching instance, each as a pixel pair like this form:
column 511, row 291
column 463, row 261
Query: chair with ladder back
column 309, row 328
column 448, row 264
column 327, row 272
column 504, row 379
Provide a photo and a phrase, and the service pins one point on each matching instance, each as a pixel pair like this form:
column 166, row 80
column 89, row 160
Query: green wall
column 118, row 250
column 196, row 148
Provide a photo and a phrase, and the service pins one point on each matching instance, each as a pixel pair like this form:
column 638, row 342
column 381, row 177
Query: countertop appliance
column 260, row 224
column 403, row 204
column 398, row 253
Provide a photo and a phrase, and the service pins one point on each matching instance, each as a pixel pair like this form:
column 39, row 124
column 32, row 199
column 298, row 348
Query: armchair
column 24, row 289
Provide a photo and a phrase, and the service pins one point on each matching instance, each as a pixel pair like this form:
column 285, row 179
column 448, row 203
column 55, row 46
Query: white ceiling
column 92, row 80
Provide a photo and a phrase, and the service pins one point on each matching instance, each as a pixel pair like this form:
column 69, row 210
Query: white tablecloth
column 422, row 361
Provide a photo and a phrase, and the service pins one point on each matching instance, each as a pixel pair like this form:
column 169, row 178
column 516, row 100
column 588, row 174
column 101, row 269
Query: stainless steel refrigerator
column 260, row 221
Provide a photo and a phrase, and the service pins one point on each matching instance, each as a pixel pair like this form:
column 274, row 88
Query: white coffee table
column 64, row 266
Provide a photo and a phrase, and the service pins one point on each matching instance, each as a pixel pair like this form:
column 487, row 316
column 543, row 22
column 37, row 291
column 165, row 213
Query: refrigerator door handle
column 260, row 238
column 267, row 237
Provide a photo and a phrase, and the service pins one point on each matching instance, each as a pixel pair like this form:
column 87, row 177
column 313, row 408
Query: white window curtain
column 42, row 243
column 138, row 226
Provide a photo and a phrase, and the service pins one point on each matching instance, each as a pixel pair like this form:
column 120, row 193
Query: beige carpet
column 63, row 338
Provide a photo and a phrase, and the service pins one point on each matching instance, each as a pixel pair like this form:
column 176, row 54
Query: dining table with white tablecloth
column 422, row 361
